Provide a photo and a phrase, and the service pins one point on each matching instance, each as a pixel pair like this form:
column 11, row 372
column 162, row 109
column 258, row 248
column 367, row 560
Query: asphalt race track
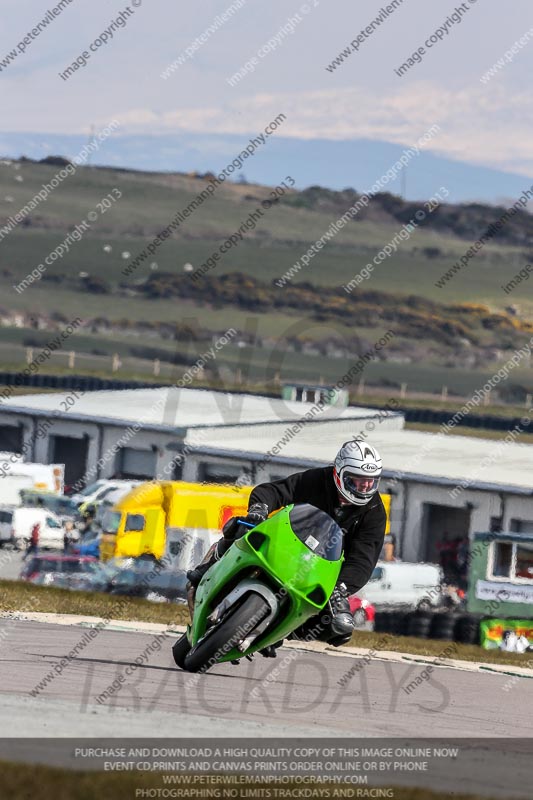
column 302, row 697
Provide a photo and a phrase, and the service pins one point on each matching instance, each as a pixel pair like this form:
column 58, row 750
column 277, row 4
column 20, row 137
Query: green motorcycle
column 273, row 579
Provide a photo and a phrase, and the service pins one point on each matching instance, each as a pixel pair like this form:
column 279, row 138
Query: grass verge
column 43, row 783
column 21, row 596
column 436, row 648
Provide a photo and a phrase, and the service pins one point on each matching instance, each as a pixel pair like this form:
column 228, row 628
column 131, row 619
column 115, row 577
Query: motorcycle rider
column 348, row 492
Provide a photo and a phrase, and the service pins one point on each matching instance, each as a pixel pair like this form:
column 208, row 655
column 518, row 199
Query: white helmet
column 357, row 472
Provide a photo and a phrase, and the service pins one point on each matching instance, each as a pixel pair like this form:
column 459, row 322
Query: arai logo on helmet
column 368, row 467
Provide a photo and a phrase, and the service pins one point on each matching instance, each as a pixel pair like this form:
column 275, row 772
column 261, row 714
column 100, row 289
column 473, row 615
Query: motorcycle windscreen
column 317, row 530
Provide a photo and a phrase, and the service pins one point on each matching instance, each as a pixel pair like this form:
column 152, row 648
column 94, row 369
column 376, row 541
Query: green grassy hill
column 283, row 234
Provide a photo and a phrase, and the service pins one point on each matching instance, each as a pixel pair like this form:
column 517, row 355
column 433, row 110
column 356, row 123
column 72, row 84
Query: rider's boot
column 196, row 574
column 191, row 591
column 342, row 624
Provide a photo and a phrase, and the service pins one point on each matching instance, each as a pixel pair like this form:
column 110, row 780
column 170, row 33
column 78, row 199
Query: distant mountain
column 332, row 164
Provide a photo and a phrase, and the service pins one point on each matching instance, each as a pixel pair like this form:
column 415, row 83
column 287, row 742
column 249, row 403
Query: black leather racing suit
column 364, row 531
column 363, row 526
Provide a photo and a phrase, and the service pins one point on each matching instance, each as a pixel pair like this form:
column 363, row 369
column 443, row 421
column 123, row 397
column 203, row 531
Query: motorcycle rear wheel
column 227, row 634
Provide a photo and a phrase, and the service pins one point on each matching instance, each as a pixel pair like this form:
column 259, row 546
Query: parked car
column 61, row 505
column 16, row 524
column 144, row 577
column 89, row 545
column 400, row 583
column 362, row 610
column 168, row 585
column 65, row 572
column 6, row 526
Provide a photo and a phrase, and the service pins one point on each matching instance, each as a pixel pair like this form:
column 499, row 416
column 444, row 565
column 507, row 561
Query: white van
column 99, row 490
column 11, row 486
column 400, row 583
column 43, row 477
column 16, row 525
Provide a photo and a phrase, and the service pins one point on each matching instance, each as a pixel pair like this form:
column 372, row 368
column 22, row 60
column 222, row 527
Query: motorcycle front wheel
column 223, row 637
column 180, row 650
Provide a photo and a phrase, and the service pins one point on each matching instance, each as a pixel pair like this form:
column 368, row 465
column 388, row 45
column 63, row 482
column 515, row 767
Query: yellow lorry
column 175, row 519
column 172, row 518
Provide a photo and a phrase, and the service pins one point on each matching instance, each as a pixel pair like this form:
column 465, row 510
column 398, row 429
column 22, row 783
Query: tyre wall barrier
column 485, row 421
column 463, row 628
column 85, row 383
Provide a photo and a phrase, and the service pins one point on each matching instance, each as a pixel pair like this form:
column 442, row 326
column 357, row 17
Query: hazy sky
column 483, row 124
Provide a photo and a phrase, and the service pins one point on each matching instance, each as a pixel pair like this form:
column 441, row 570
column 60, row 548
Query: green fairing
column 295, row 572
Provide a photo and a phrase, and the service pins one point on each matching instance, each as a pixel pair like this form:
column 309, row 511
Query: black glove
column 234, row 528
column 257, row 513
